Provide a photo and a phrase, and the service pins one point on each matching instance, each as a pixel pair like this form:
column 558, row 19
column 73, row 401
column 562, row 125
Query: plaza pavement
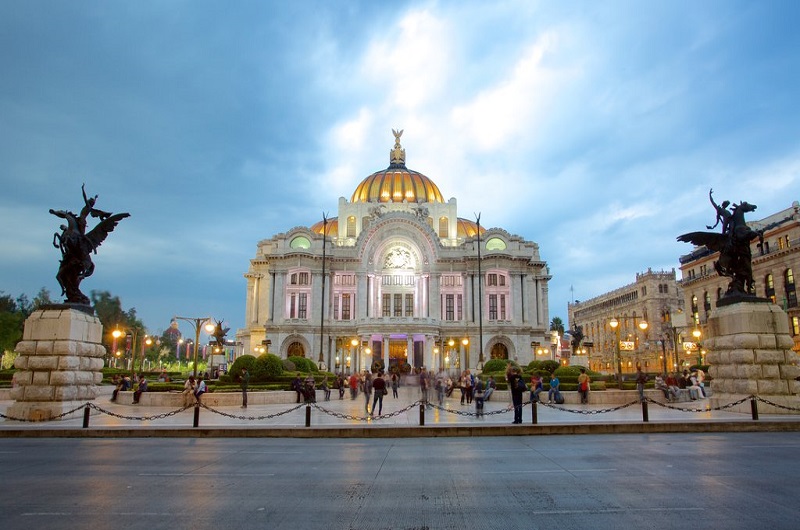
column 401, row 418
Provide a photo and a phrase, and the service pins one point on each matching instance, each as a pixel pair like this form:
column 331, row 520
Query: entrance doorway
column 398, row 354
column 499, row 351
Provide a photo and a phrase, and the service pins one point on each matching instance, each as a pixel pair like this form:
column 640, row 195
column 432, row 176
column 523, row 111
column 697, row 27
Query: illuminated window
column 300, row 242
column 351, row 226
column 443, row 228
column 495, row 243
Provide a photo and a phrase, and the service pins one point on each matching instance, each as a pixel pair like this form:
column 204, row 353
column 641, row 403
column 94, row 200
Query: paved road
column 697, row 481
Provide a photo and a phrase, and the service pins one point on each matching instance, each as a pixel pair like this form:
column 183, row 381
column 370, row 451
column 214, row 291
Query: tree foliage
column 557, row 325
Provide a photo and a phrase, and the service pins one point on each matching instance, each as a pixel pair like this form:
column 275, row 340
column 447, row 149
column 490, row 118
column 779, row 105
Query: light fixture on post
column 197, row 323
column 696, row 333
column 465, row 343
column 321, row 360
column 614, row 323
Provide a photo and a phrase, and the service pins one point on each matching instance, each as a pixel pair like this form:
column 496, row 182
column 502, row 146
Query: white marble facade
column 401, row 276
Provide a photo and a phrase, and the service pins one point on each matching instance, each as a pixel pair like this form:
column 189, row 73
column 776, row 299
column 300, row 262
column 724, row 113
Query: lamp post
column 117, row 333
column 696, row 333
column 197, row 323
column 615, row 325
column 465, row 343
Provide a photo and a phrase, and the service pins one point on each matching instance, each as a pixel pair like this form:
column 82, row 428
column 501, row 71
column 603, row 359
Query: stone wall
column 750, row 353
column 59, row 363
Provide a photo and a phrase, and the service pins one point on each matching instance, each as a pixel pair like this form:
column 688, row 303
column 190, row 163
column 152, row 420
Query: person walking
column 367, row 389
column 641, row 379
column 297, row 386
column 517, row 386
column 340, row 385
column 379, row 389
column 325, row 388
column 244, row 382
column 583, row 386
column 478, row 395
column 395, row 384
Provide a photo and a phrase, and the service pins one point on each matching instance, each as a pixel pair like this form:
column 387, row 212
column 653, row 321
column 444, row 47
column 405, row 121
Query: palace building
column 396, row 280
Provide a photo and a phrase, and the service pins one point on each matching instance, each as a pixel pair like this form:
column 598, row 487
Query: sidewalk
column 401, row 417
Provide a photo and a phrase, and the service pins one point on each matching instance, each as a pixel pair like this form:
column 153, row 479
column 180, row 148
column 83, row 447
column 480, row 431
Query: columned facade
column 403, row 285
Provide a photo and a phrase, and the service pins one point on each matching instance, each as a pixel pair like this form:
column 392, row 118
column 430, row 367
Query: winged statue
column 77, row 245
column 733, row 245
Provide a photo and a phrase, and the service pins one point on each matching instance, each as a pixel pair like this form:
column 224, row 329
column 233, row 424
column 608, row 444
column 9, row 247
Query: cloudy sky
column 593, row 128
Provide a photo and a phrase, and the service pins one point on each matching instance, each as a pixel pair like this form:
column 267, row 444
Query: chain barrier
column 590, row 412
column 368, row 417
column 372, row 418
column 62, row 415
column 509, row 408
column 138, row 418
column 776, row 405
column 251, row 418
column 695, row 409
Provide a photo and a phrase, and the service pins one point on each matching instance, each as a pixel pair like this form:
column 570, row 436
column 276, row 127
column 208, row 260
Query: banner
column 627, row 345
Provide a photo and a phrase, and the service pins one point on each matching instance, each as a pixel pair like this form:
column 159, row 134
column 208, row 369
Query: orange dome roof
column 397, row 183
column 333, row 226
column 467, row 228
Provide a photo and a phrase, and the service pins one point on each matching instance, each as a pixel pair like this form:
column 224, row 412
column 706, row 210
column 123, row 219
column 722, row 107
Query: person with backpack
column 554, row 394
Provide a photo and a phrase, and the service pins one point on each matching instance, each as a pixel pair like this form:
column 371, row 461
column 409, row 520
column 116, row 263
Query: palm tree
column 557, row 325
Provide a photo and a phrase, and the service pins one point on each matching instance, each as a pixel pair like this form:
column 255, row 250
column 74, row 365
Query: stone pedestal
column 750, row 353
column 59, row 363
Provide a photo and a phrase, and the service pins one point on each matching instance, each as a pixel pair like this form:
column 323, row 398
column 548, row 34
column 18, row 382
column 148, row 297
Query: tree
column 557, row 325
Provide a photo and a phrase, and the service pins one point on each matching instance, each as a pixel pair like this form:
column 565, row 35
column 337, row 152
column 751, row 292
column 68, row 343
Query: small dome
column 467, row 228
column 397, row 183
column 333, row 226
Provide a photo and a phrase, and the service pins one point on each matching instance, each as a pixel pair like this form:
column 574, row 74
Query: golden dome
column 467, row 228
column 333, row 226
column 397, row 183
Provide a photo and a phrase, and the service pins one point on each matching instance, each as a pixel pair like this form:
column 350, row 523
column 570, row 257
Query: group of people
column 193, row 390
column 672, row 384
column 123, row 383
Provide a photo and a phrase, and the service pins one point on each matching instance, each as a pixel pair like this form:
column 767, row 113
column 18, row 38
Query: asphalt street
column 697, row 481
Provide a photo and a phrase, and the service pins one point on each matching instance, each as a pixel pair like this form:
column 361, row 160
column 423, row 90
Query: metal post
column 422, row 413
column 196, row 415
column 645, row 416
column 754, row 408
column 86, row 417
column 534, row 413
column 308, row 414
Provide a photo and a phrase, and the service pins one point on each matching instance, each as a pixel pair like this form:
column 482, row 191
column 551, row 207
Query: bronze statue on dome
column 77, row 246
column 733, row 245
column 397, row 155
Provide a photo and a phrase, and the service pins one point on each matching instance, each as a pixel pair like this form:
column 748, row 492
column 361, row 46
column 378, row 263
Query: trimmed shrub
column 495, row 365
column 303, row 364
column 269, row 365
column 243, row 361
column 288, row 366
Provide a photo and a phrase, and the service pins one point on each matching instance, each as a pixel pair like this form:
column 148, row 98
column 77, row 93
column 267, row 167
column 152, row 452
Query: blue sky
column 592, row 128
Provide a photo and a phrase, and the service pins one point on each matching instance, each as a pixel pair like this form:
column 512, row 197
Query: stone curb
column 432, row 431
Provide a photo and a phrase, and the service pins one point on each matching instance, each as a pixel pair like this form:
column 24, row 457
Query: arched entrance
column 499, row 351
column 295, row 349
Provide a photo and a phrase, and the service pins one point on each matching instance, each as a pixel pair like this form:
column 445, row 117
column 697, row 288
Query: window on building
column 791, row 292
column 707, row 301
column 492, row 307
column 502, row 307
column 398, row 305
column 302, row 305
column 336, row 307
column 351, row 226
column 386, row 302
column 459, row 308
column 795, row 326
column 449, row 307
column 409, row 305
column 346, row 306
column 491, row 279
column 293, row 306
column 769, row 287
column 443, row 228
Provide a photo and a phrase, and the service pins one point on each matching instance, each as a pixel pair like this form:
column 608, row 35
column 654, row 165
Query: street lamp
column 197, row 323
column 133, row 332
column 615, row 325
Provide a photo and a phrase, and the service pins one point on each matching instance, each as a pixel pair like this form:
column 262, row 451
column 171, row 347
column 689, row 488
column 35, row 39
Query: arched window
column 351, row 226
column 443, row 228
column 789, row 286
column 769, row 287
column 300, row 242
column 707, row 301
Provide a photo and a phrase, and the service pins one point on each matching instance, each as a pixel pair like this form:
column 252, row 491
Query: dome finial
column 397, row 155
